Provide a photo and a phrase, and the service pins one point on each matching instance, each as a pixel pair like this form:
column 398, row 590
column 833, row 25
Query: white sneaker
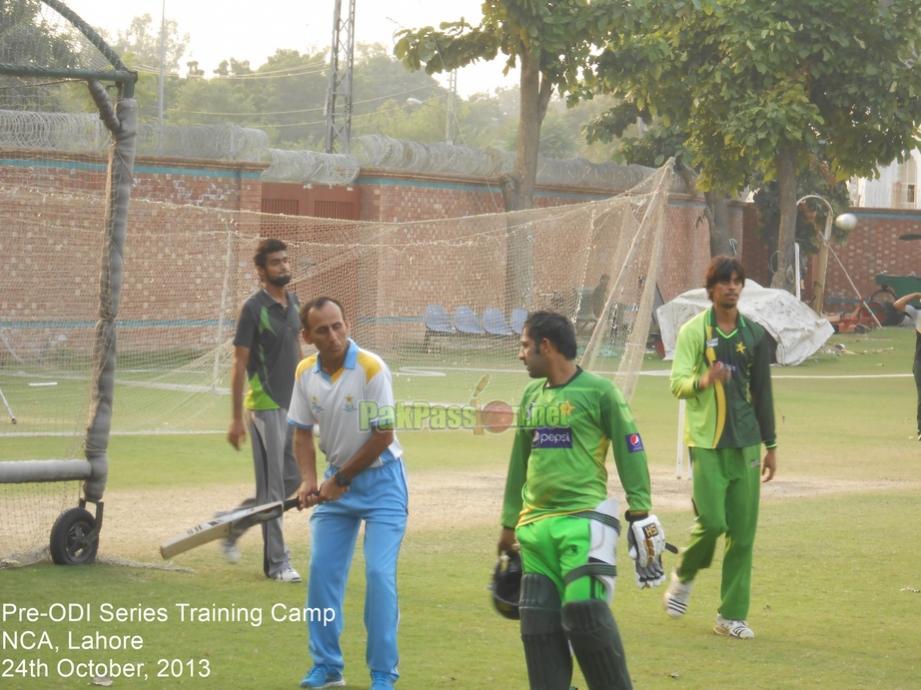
column 231, row 551
column 732, row 628
column 677, row 596
column 287, row 574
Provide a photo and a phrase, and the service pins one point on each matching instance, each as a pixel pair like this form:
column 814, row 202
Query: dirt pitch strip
column 137, row 521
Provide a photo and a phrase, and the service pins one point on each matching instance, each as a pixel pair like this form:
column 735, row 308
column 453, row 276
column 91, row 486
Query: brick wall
column 390, row 197
column 687, row 251
column 567, row 262
column 210, row 184
column 872, row 248
column 52, row 247
column 399, row 198
column 177, row 259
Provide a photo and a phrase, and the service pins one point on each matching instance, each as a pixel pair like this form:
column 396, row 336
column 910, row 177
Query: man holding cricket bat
column 722, row 368
column 347, row 392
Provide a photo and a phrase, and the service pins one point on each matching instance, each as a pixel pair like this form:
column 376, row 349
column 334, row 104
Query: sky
column 220, row 29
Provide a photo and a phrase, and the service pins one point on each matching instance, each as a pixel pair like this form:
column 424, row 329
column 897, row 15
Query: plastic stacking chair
column 465, row 321
column 494, row 323
column 517, row 319
column 437, row 323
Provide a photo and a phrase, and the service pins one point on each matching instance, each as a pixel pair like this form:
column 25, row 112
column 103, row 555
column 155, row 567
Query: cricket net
column 441, row 300
column 56, row 328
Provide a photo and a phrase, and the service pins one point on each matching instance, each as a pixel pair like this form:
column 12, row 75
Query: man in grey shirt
column 266, row 353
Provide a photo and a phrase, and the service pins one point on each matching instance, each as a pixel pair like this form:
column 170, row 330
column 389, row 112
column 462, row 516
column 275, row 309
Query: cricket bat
column 475, row 403
column 221, row 526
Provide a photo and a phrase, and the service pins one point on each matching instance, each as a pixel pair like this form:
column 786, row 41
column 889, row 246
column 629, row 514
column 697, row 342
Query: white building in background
column 896, row 187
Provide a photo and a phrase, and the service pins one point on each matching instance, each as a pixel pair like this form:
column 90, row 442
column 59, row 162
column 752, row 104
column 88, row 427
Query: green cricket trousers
column 727, row 485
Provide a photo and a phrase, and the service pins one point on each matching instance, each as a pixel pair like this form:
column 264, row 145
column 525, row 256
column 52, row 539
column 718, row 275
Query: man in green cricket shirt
column 557, row 506
column 722, row 369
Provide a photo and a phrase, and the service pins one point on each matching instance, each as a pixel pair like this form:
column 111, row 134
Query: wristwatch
column 340, row 480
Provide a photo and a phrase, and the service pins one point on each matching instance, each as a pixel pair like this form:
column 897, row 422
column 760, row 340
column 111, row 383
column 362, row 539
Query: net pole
column 118, row 192
column 225, row 293
column 853, row 287
column 660, row 184
column 680, row 448
column 635, row 345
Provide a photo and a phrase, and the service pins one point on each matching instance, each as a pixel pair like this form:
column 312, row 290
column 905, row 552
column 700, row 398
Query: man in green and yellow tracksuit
column 722, row 369
column 557, row 506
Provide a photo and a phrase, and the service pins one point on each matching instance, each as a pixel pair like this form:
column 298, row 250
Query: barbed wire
column 83, row 132
column 311, row 166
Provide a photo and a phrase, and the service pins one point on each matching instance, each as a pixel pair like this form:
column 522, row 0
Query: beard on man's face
column 280, row 281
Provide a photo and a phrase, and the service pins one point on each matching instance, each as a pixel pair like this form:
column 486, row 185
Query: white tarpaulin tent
column 797, row 329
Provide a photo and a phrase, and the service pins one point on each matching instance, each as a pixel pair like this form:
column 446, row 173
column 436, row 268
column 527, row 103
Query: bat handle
column 293, row 501
column 671, row 547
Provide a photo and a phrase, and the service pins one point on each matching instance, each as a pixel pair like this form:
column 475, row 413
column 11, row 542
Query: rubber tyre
column 888, row 315
column 69, row 543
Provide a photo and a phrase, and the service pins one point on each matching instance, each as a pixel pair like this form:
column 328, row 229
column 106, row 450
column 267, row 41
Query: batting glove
column 645, row 544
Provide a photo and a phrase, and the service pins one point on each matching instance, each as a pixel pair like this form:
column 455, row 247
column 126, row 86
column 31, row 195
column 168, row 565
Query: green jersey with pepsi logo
column 557, row 464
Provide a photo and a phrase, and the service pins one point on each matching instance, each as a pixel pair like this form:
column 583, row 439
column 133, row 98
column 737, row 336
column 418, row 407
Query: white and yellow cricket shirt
column 915, row 315
column 347, row 405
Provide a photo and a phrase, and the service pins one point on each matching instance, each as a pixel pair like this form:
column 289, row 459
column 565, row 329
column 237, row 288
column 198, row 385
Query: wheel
column 73, row 538
column 884, row 295
column 888, row 315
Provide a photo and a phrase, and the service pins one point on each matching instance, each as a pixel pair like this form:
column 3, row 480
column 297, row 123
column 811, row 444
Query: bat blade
column 474, row 403
column 481, row 384
column 222, row 526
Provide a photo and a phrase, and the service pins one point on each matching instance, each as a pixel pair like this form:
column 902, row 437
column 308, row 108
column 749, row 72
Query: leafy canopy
column 747, row 79
column 561, row 32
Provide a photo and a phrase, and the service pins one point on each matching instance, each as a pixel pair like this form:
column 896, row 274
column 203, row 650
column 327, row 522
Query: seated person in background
column 600, row 295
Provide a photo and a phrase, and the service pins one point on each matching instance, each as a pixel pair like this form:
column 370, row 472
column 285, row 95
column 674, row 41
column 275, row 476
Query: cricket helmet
column 506, row 584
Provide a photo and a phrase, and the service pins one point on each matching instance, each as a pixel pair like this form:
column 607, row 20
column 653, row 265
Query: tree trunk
column 784, row 276
column 720, row 221
column 518, row 188
column 716, row 211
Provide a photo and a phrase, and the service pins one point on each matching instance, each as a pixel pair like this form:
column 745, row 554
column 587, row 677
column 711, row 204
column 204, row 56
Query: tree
column 811, row 215
column 287, row 94
column 488, row 121
column 652, row 143
column 141, row 40
column 417, row 121
column 757, row 87
column 28, row 39
column 378, row 78
column 550, row 42
column 139, row 48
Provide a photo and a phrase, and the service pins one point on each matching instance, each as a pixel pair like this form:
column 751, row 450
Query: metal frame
column 341, row 64
column 120, row 118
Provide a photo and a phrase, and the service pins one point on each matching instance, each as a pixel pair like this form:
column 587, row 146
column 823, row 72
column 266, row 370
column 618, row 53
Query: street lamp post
column 845, row 221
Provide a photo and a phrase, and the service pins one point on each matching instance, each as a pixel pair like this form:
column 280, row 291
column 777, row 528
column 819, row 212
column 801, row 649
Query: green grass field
column 837, row 581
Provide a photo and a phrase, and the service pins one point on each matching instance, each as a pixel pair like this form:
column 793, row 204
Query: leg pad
column 596, row 642
column 546, row 649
